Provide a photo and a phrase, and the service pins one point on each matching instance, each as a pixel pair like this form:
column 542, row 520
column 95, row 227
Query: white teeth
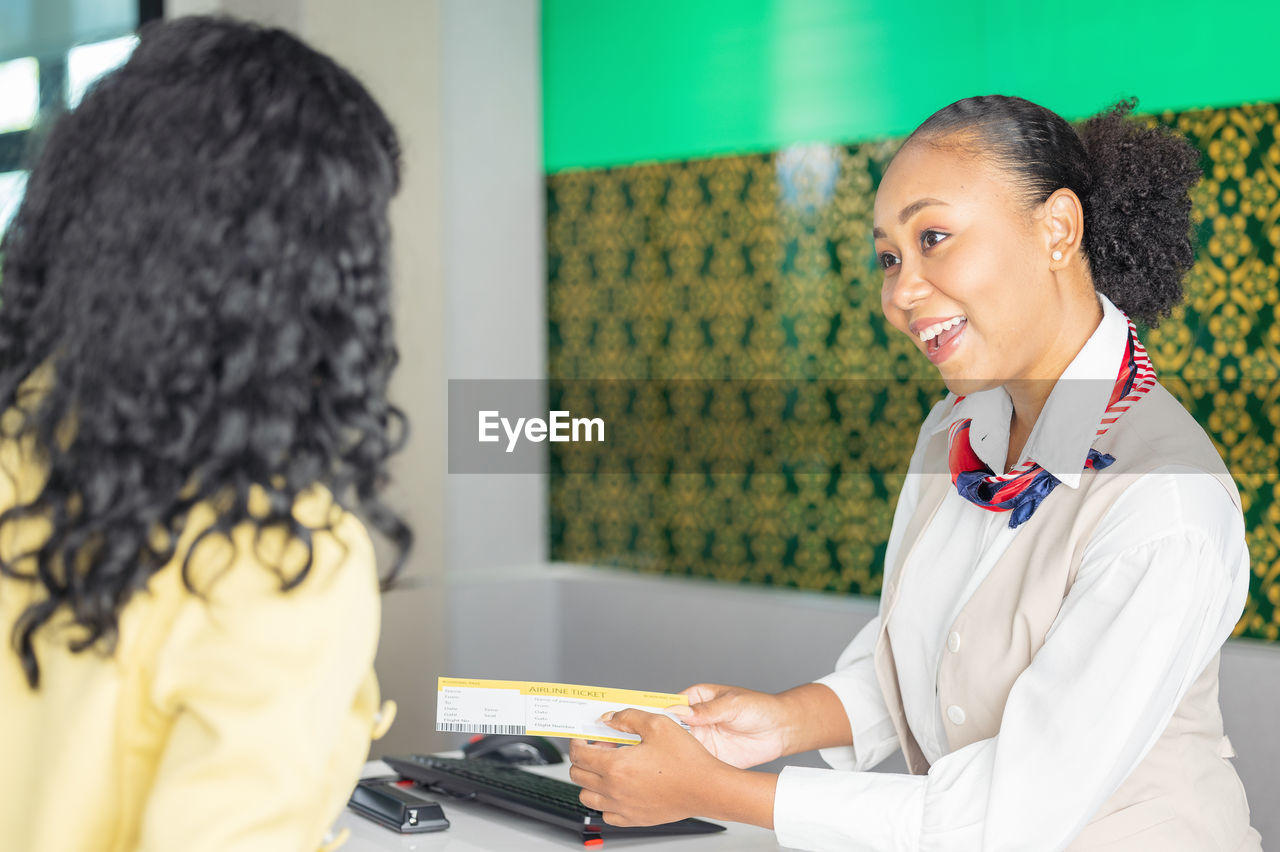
column 937, row 328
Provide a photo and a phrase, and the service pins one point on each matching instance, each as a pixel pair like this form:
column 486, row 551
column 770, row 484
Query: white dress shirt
column 1160, row 587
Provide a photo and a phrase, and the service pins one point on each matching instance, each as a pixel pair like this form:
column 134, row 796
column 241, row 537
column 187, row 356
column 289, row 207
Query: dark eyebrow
column 907, row 212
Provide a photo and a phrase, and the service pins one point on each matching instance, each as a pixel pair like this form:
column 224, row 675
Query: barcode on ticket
column 464, row 728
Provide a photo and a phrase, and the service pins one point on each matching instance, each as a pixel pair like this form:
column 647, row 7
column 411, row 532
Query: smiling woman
column 1067, row 554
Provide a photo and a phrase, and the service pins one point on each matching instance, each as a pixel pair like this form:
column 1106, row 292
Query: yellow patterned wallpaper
column 737, row 298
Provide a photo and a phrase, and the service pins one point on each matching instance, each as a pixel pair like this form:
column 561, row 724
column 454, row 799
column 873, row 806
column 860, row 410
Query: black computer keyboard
column 537, row 796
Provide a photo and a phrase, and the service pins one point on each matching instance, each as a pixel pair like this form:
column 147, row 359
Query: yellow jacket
column 234, row 723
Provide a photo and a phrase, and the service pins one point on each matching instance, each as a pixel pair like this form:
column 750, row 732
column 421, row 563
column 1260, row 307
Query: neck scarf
column 1022, row 489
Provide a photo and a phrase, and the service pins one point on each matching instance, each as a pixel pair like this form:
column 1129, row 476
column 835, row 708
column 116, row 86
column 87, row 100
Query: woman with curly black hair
column 195, row 347
column 1067, row 554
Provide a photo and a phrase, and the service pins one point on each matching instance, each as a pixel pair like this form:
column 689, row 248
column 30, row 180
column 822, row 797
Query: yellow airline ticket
column 547, row 709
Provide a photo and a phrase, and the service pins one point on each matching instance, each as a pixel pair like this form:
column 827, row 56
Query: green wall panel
column 723, row 314
column 626, row 82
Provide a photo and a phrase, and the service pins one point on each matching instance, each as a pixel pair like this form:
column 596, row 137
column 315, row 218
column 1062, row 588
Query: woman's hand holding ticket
column 745, row 728
column 740, row 726
column 666, row 777
column 673, row 773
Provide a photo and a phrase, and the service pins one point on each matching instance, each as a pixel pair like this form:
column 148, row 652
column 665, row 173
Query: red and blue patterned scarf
column 1022, row 489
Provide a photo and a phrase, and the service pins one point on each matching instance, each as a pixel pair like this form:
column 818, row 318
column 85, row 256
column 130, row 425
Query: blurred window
column 19, row 93
column 88, row 62
column 11, row 186
column 51, row 52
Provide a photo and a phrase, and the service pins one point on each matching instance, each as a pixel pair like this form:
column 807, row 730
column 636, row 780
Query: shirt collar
column 1068, row 423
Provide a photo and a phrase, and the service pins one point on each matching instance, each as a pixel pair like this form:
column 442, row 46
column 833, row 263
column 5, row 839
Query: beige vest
column 1184, row 796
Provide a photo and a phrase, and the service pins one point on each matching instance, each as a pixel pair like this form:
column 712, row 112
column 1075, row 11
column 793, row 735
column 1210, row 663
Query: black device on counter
column 398, row 805
column 528, row 794
column 513, row 748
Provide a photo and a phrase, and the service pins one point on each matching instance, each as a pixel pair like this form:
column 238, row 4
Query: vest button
column 956, row 714
column 953, row 642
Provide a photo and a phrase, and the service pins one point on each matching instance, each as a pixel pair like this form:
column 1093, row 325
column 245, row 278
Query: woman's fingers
column 592, row 783
column 593, row 758
column 632, row 721
column 701, row 692
column 585, row 777
column 710, row 704
column 592, row 799
column 713, row 710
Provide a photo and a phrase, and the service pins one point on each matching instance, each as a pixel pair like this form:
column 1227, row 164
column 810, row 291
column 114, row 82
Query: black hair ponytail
column 1137, row 232
column 1133, row 181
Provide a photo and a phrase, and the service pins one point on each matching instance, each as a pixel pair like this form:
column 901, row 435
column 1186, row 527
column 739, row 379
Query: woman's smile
column 941, row 338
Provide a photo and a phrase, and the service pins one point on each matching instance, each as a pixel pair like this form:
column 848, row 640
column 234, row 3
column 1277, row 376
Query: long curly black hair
column 1133, row 181
column 201, row 261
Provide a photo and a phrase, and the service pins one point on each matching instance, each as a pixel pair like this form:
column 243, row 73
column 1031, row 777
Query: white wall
column 495, row 255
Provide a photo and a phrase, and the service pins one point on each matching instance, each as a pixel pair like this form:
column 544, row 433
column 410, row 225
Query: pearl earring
column 1057, row 255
